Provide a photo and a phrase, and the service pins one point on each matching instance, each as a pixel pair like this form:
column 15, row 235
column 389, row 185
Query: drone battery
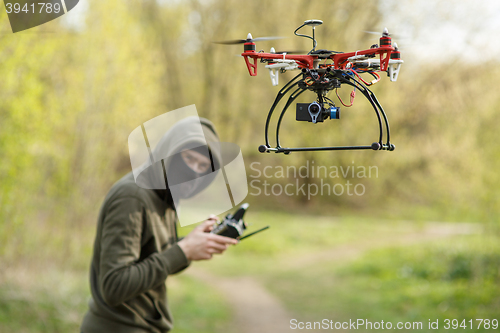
column 302, row 113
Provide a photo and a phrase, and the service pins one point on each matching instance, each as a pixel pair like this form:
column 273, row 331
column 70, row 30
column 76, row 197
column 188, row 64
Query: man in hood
column 136, row 246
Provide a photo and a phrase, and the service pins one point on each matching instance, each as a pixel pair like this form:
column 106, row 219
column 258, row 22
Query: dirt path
column 257, row 311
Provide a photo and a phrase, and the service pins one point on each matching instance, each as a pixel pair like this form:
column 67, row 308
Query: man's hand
column 200, row 244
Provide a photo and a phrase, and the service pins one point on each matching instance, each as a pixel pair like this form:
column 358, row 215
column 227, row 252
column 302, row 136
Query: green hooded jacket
column 136, row 249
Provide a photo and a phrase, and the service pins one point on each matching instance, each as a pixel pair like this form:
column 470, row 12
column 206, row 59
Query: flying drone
column 322, row 71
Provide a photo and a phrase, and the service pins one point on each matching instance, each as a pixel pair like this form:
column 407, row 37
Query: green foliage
column 44, row 315
column 197, row 307
column 476, row 259
column 451, row 279
column 55, row 302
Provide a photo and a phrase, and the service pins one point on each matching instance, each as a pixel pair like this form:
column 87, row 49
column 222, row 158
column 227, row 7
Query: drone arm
column 306, row 61
column 340, row 59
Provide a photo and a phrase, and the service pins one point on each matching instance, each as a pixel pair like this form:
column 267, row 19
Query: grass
column 297, row 235
column 453, row 277
column 456, row 277
column 197, row 307
column 42, row 300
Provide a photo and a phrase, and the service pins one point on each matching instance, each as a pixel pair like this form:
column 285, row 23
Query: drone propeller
column 399, row 49
column 386, row 33
column 248, row 40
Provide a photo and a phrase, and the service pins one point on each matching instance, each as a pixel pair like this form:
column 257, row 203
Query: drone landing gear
column 286, row 151
column 323, row 84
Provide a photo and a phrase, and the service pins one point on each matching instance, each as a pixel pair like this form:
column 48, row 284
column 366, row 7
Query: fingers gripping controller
column 200, row 244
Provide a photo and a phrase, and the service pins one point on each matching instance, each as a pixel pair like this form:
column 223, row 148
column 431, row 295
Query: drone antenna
column 313, row 24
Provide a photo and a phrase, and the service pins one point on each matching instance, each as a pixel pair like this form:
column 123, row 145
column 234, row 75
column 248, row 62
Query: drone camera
column 314, row 112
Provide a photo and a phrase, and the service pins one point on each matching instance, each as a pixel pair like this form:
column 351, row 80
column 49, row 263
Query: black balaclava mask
column 190, row 181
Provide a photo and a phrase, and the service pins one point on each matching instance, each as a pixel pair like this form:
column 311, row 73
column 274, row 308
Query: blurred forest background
column 72, row 91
